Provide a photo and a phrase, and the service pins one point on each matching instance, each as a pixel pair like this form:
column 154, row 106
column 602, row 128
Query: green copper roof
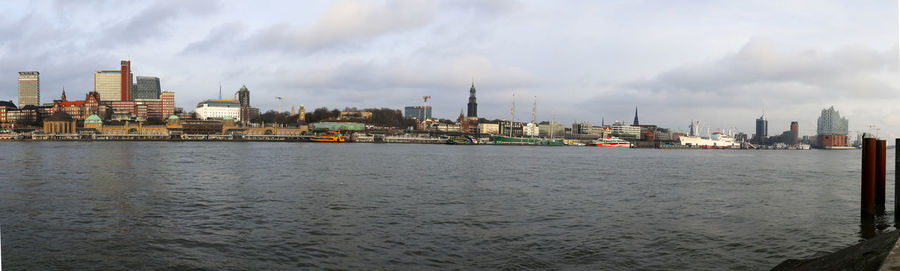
column 93, row 119
column 228, row 118
column 173, row 117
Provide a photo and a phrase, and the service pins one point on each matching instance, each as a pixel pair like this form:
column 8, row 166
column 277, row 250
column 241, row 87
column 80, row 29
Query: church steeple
column 473, row 105
column 63, row 98
column 636, row 122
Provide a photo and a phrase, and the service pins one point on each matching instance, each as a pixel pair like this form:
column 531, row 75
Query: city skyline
column 724, row 68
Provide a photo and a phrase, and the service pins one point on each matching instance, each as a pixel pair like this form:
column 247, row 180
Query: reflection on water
column 264, row 206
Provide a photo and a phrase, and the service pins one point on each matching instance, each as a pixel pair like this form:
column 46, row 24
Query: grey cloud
column 218, row 39
column 152, row 22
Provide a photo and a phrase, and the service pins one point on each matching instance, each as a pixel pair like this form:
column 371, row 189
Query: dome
column 93, row 119
column 243, row 88
column 60, row 116
column 228, row 118
column 173, row 117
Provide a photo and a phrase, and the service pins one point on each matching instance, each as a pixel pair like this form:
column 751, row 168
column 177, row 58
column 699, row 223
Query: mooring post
column 867, row 184
column 880, row 159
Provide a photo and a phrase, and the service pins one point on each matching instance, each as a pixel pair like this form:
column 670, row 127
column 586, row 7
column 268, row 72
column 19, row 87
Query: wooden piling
column 880, row 159
column 867, row 183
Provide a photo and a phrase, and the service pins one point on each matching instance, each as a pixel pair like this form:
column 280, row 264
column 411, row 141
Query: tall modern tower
column 146, row 88
column 472, row 106
column 762, row 129
column 795, row 133
column 126, row 80
column 636, row 122
column 243, row 98
column 29, row 88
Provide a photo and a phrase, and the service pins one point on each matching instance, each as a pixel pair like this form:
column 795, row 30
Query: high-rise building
column 417, row 112
column 242, row 96
column 831, row 122
column 831, row 130
column 472, row 106
column 795, row 133
column 762, row 129
column 29, row 88
column 126, row 81
column 109, row 84
column 147, row 87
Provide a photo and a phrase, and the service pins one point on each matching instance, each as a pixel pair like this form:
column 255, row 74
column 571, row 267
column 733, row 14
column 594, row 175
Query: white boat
column 613, row 142
column 717, row 140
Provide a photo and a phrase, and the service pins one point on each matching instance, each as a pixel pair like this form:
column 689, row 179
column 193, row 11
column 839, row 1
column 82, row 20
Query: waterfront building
column 94, row 123
column 417, row 112
column 531, row 129
column 832, row 129
column 794, row 136
column 625, row 131
column 147, row 87
column 338, row 126
column 79, row 110
column 59, row 123
column 242, row 96
column 472, row 106
column 557, row 129
column 218, row 109
column 4, row 107
column 762, row 129
column 143, row 109
column 109, row 84
column 489, row 128
column 29, row 88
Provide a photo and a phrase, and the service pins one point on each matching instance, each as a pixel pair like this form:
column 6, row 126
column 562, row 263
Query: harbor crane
column 279, row 99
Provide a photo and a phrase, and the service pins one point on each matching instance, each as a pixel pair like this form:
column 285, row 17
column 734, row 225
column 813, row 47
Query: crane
column 279, row 99
column 424, row 106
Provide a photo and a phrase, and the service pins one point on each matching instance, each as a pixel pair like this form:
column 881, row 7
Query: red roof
column 72, row 103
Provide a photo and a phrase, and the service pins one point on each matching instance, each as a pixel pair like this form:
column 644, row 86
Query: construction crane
column 279, row 99
column 424, row 106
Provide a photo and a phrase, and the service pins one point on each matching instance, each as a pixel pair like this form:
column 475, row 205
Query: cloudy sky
column 721, row 62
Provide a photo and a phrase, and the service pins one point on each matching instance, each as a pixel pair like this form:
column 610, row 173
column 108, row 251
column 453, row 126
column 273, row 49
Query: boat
column 717, row 140
column 612, row 142
column 508, row 140
column 336, row 137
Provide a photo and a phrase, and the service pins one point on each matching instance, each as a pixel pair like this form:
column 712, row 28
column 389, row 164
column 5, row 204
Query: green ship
column 505, row 140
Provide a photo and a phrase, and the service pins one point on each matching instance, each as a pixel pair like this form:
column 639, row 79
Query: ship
column 336, row 137
column 612, row 142
column 507, row 140
column 717, row 140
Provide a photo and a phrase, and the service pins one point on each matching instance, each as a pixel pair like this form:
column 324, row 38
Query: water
column 276, row 206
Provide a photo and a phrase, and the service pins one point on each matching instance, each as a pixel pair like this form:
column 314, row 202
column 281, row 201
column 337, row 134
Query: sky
column 724, row 63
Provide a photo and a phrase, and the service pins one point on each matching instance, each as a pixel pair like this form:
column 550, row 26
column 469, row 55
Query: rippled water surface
column 275, row 206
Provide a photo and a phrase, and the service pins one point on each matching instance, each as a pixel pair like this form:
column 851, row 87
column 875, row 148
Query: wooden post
column 867, row 183
column 880, row 157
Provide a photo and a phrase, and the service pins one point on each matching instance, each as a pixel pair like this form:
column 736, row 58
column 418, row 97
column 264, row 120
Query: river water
column 276, row 206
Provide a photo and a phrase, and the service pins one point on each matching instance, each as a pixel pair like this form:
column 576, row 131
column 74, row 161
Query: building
column 832, row 129
column 147, row 87
column 126, row 80
column 625, row 131
column 489, row 128
column 80, row 110
column 109, row 84
column 143, row 109
column 417, row 112
column 472, row 106
column 793, row 138
column 218, row 109
column 29, row 88
column 552, row 129
column 355, row 114
column 636, row 122
column 59, row 123
column 762, row 130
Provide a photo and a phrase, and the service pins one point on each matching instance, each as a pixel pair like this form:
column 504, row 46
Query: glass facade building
column 417, row 112
column 29, row 88
column 147, row 88
column 831, row 123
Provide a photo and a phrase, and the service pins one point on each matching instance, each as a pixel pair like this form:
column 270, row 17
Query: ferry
column 506, row 140
column 613, row 142
column 336, row 137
